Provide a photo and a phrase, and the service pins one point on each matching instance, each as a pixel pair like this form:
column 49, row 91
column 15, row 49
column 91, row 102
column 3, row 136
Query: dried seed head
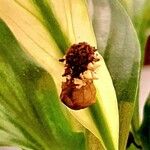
column 77, row 59
column 78, row 90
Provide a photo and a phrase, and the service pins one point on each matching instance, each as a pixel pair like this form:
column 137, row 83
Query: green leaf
column 30, row 113
column 122, row 56
column 139, row 13
column 145, row 126
column 35, row 30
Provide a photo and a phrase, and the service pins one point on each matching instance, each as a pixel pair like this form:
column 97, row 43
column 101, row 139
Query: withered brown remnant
column 77, row 58
column 76, row 61
column 78, row 98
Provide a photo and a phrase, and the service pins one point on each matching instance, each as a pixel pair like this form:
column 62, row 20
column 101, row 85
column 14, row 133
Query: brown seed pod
column 78, row 91
column 76, row 98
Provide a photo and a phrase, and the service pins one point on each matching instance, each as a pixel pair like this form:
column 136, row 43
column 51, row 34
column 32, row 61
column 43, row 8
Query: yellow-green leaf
column 45, row 34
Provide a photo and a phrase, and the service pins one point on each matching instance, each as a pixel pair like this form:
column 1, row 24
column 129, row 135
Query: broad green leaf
column 139, row 13
column 31, row 115
column 145, row 126
column 122, row 57
column 35, row 30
